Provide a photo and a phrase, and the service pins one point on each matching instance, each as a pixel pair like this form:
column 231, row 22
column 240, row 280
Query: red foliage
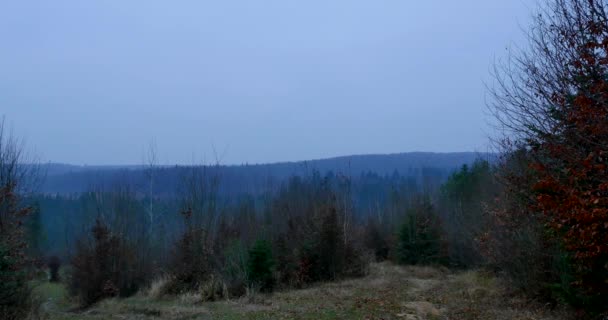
column 571, row 165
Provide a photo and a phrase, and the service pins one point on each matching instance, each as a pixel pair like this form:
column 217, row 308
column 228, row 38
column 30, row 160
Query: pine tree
column 260, row 266
column 420, row 236
column 331, row 246
column 14, row 291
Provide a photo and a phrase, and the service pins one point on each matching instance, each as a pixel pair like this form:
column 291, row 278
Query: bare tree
column 151, row 163
column 566, row 43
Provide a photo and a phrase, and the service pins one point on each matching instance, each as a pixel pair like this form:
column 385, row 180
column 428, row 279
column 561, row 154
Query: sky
column 243, row 81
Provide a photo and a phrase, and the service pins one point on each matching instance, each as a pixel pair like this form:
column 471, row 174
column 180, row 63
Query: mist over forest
column 65, row 196
column 254, row 179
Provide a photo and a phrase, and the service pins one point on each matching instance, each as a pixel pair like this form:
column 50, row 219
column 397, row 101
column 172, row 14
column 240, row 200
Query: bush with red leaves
column 553, row 99
column 104, row 267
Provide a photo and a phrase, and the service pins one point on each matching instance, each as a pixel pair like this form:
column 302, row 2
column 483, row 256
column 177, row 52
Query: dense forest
column 534, row 215
column 305, row 229
column 156, row 193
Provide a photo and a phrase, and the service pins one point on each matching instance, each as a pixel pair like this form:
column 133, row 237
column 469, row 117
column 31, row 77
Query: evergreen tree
column 331, row 246
column 35, row 231
column 13, row 284
column 260, row 266
column 420, row 236
column 14, row 290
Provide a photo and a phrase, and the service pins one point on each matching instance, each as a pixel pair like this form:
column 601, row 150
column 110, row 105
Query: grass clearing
column 388, row 292
column 51, row 294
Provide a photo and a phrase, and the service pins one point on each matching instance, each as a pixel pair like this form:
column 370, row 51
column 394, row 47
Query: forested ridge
column 65, row 179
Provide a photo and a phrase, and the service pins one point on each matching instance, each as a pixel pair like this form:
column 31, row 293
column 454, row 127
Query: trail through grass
column 389, row 292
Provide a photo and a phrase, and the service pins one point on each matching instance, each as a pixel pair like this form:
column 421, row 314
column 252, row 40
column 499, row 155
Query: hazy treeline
column 58, row 219
column 248, row 179
column 310, row 228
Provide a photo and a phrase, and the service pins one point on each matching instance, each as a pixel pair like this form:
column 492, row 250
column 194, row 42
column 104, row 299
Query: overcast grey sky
column 260, row 81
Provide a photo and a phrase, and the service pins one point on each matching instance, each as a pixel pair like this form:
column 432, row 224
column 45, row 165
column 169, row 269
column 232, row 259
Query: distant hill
column 236, row 179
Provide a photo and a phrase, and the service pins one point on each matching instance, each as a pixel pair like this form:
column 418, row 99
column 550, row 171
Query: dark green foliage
column 315, row 217
column 234, row 268
column 14, row 293
column 287, row 266
column 326, row 256
column 331, row 246
column 376, row 240
column 420, row 238
column 260, row 266
column 462, row 207
column 35, row 231
column 561, row 287
column 54, row 263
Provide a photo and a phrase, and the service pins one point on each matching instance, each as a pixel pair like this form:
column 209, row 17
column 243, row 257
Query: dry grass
column 156, row 288
column 389, row 292
column 476, row 295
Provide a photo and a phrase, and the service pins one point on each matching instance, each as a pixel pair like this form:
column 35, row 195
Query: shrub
column 14, row 292
column 308, row 266
column 104, row 269
column 376, row 241
column 517, row 243
column 191, row 263
column 157, row 288
column 420, row 238
column 260, row 266
column 356, row 262
column 54, row 263
column 213, row 289
column 13, row 285
column 234, row 268
column 286, row 263
column 326, row 255
column 331, row 246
